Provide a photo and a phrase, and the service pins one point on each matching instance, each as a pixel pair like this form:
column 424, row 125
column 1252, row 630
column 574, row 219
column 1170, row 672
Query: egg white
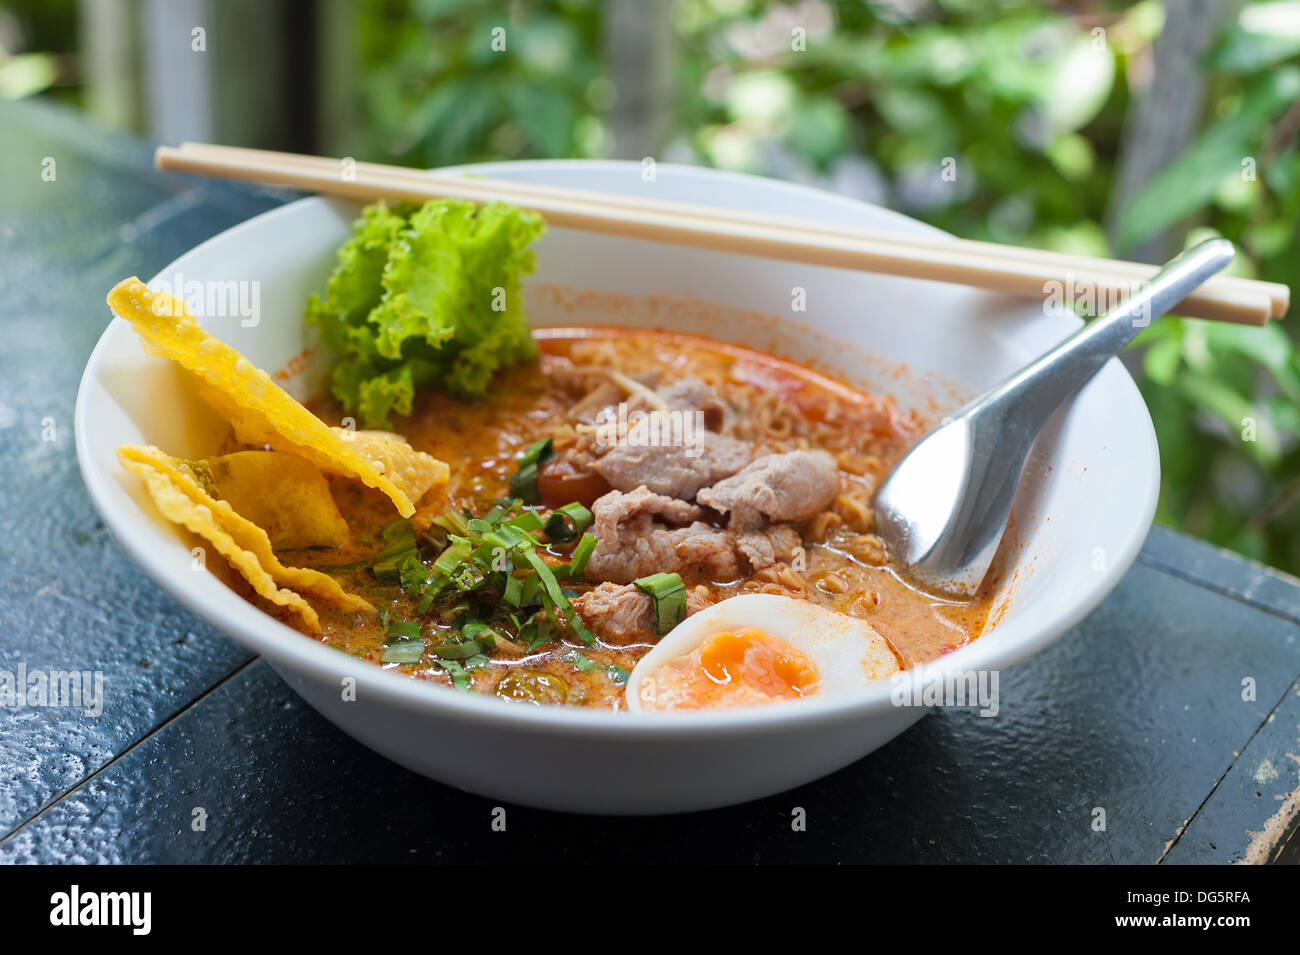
column 847, row 652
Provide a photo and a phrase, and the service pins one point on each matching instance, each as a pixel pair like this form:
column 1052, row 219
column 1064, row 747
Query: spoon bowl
column 944, row 507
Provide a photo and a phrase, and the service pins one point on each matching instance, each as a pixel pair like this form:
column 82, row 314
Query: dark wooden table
column 1138, row 711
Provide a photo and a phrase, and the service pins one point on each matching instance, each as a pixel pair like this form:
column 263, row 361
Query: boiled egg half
column 758, row 648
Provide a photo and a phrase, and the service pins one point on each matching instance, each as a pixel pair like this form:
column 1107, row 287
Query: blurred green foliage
column 1022, row 103
column 37, row 40
column 1029, row 102
column 440, row 87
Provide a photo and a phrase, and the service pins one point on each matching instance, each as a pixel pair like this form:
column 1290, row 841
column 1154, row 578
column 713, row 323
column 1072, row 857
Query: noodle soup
column 591, row 393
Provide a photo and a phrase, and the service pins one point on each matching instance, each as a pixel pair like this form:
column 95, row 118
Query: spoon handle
column 1025, row 401
column 943, row 508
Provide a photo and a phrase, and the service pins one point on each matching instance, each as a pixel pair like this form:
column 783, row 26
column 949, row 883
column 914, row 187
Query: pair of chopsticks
column 987, row 265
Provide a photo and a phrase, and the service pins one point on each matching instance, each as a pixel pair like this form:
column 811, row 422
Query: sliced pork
column 622, row 614
column 791, row 487
column 688, row 394
column 673, row 462
column 765, row 546
column 671, row 440
column 642, row 533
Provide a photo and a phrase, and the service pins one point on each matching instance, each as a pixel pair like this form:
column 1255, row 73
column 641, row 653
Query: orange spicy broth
column 780, row 405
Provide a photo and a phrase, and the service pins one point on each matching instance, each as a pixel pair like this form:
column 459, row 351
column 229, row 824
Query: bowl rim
column 291, row 650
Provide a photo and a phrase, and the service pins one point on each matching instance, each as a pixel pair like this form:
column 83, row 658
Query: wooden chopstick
column 521, row 192
column 1230, row 298
column 1007, row 269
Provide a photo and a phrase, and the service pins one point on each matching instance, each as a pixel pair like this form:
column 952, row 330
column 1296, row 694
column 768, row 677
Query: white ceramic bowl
column 1084, row 508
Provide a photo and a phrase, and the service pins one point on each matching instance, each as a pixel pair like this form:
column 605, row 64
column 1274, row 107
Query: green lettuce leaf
column 425, row 296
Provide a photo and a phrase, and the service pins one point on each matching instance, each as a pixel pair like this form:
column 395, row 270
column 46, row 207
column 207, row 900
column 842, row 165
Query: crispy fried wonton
column 258, row 409
column 181, row 499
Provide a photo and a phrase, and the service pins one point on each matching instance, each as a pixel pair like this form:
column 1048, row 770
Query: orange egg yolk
column 733, row 668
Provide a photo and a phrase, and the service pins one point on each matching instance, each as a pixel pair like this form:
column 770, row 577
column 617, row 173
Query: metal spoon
column 943, row 508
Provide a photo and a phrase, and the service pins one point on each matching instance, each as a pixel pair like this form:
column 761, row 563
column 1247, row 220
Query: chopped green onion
column 405, row 644
column 526, row 521
column 459, row 678
column 456, row 612
column 388, row 572
column 669, row 596
column 546, row 579
column 580, row 663
column 580, row 631
column 431, row 593
column 466, row 577
column 413, row 575
column 539, row 452
column 404, row 630
column 457, row 651
column 568, row 522
column 618, row 674
column 550, row 587
column 397, row 531
column 581, row 553
column 435, row 538
column 508, row 538
column 453, row 521
column 538, row 631
column 523, row 483
column 450, row 558
column 514, row 591
column 486, row 566
column 404, row 651
column 399, row 540
column 482, row 556
column 529, row 596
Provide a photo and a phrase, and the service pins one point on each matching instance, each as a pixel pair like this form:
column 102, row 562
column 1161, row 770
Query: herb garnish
column 490, row 585
column 405, row 643
column 669, row 596
column 568, row 522
column 580, row 663
column 523, row 483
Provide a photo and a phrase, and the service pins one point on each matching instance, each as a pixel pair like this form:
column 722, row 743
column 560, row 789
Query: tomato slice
column 560, row 482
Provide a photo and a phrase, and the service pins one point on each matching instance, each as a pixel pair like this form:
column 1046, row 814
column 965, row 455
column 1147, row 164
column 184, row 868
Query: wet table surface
column 1171, row 714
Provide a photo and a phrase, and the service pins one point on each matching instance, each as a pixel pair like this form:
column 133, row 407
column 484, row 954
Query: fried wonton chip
column 411, row 470
column 259, row 410
column 281, row 493
column 181, row 499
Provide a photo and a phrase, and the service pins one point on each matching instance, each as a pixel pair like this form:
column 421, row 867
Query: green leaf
column 578, row 661
column 1191, row 181
column 546, row 115
column 1267, row 346
column 1162, row 360
column 1080, row 86
column 435, row 297
column 819, row 129
column 1234, row 410
column 404, row 651
column 27, row 74
column 1250, row 47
